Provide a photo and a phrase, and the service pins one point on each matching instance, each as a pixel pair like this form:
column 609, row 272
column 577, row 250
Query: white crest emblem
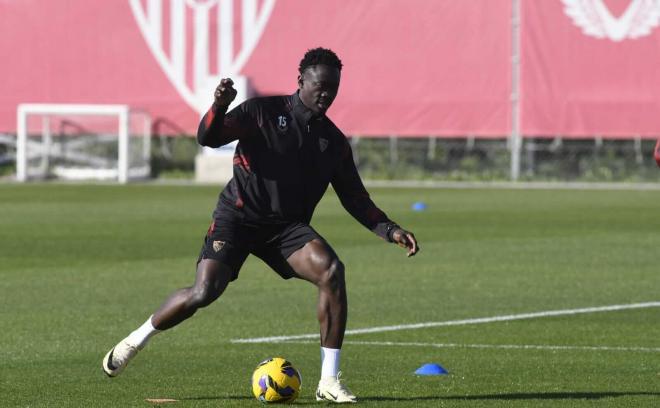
column 195, row 72
column 595, row 19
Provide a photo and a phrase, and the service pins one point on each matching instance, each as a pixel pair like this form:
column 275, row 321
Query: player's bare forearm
column 405, row 239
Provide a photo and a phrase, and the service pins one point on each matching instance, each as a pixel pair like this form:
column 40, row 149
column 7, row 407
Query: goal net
column 82, row 142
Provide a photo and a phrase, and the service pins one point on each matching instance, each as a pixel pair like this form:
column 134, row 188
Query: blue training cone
column 418, row 206
column 431, row 369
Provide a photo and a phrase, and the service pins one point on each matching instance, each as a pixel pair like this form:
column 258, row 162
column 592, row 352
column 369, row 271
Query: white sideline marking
column 504, row 318
column 491, row 346
column 513, row 185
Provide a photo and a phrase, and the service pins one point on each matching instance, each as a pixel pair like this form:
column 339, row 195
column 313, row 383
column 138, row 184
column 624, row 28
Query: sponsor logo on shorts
column 217, row 245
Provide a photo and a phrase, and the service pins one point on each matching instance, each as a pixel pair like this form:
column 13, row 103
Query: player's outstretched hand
column 406, row 239
column 225, row 93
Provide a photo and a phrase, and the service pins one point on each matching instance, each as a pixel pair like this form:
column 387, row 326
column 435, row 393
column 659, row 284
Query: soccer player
column 288, row 153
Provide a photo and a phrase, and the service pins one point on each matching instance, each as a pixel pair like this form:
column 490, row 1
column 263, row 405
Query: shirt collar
column 301, row 111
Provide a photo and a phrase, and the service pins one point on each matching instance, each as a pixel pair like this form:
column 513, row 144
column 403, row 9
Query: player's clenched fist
column 225, row 92
column 406, row 239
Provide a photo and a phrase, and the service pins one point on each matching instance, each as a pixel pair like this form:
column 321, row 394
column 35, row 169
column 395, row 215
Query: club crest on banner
column 639, row 19
column 197, row 42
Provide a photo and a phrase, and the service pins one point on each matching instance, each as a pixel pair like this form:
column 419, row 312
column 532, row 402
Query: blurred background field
column 446, row 160
column 84, row 264
column 460, row 159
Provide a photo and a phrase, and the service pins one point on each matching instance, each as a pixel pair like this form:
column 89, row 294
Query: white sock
column 329, row 362
column 142, row 334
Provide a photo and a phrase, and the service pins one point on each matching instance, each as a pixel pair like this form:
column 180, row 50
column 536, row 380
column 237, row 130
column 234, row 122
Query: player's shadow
column 217, row 397
column 521, row 396
column 483, row 397
column 299, row 402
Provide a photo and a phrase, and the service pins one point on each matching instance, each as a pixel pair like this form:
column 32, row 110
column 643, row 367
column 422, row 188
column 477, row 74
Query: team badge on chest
column 323, row 144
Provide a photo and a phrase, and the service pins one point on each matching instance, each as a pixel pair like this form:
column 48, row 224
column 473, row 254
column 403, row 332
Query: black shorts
column 230, row 239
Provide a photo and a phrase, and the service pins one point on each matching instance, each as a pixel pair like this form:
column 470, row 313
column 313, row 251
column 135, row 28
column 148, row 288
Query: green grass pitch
column 83, row 265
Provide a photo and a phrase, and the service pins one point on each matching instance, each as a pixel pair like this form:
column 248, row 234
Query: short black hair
column 318, row 56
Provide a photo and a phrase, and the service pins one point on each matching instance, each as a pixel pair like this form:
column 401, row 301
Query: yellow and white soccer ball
column 276, row 381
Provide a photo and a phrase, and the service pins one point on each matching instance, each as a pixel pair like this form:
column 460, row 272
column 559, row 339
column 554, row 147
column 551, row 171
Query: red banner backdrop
column 589, row 67
column 412, row 67
column 422, row 67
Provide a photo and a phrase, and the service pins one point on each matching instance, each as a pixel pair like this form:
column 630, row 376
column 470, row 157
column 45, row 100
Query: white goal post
column 126, row 154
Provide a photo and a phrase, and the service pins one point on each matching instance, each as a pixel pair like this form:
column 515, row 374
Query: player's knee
column 333, row 275
column 203, row 295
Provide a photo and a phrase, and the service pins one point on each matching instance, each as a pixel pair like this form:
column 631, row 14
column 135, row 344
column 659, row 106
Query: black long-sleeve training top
column 285, row 158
